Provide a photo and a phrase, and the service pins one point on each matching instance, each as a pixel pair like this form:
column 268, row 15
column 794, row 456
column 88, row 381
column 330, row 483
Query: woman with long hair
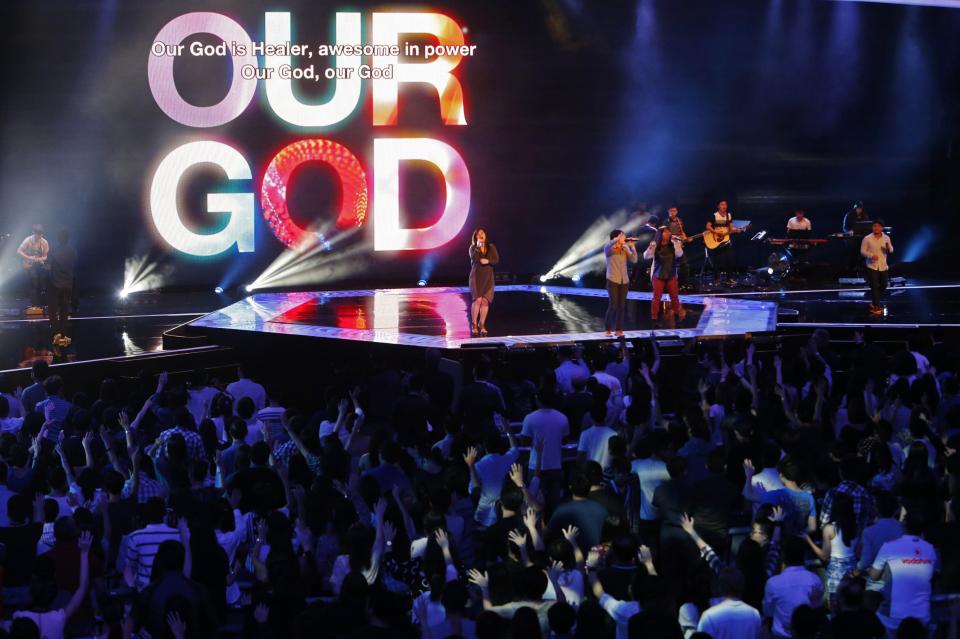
column 839, row 544
column 665, row 251
column 483, row 257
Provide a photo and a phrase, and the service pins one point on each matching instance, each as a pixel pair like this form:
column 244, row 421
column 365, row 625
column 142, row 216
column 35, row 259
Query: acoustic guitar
column 720, row 235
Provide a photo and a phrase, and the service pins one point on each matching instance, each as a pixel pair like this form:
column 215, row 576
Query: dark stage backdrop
column 573, row 109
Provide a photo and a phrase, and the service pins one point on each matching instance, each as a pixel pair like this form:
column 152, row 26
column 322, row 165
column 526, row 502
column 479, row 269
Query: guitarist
column 721, row 225
column 34, row 251
column 675, row 225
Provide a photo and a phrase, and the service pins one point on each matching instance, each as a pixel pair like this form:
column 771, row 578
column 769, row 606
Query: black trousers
column 617, row 306
column 877, row 281
column 723, row 260
column 60, row 301
column 37, row 277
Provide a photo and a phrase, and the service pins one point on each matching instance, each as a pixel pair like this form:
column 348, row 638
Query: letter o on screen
column 273, row 192
column 163, row 200
column 160, row 71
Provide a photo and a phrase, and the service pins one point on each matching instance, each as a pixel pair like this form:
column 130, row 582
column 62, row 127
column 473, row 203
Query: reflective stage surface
column 439, row 317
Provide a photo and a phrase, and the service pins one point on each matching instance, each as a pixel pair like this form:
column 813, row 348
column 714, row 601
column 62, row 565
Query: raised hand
column 178, row 627
column 516, row 475
column 389, row 532
column 185, row 531
column 442, row 540
column 470, row 457
column 644, row 554
column 517, row 538
column 85, row 541
column 748, row 467
column 778, row 514
column 477, row 578
column 530, row 519
column 570, row 534
column 687, row 523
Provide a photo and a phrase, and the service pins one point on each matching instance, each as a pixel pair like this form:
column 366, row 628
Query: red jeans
column 672, row 290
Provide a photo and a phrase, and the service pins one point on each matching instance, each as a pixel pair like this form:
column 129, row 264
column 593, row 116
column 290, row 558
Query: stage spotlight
column 421, row 282
column 123, row 293
column 218, row 290
column 544, row 278
column 248, row 288
column 769, row 270
column 576, row 277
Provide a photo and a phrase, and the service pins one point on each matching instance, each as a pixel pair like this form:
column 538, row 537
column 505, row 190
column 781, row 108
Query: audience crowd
column 731, row 490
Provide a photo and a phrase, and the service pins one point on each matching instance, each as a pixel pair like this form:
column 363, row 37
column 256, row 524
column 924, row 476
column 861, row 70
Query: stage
column 521, row 316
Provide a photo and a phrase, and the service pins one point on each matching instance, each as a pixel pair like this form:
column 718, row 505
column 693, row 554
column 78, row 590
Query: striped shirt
column 142, row 548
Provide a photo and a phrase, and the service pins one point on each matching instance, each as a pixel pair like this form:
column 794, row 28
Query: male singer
column 33, row 251
column 875, row 248
column 618, row 252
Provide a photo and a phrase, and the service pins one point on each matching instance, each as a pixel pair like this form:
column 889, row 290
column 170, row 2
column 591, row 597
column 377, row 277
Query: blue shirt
column 886, row 529
column 32, row 395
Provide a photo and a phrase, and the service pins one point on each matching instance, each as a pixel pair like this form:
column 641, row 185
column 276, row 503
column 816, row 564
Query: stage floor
column 521, row 315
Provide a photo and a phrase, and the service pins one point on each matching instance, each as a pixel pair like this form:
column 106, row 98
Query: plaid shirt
column 283, row 453
column 864, row 505
column 194, row 443
column 148, row 488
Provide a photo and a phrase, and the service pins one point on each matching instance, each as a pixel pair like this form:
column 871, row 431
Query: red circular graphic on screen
column 273, row 193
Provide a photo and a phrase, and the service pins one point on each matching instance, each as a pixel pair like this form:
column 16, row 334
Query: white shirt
column 766, row 480
column 51, row 623
column 793, row 587
column 908, row 564
column 16, row 408
column 10, row 424
column 872, row 246
column 247, row 388
column 492, row 471
column 730, row 619
column 570, row 371
column 796, row 224
column 594, row 444
column 620, row 612
column 199, row 402
column 611, row 382
column 553, row 426
column 651, row 473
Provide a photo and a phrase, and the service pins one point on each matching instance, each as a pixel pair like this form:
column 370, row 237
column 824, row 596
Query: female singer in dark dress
column 483, row 256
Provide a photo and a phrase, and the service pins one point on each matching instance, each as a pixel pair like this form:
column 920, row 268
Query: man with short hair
column 246, row 387
column 34, row 394
column 546, row 428
column 886, row 528
column 793, row 587
column 33, row 251
column 172, row 590
column 186, row 429
column 864, row 506
column 906, row 566
column 581, row 511
column 54, row 408
column 875, row 248
column 143, row 544
column 731, row 618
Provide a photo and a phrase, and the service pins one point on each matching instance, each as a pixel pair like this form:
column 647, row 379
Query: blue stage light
column 218, row 290
column 421, row 282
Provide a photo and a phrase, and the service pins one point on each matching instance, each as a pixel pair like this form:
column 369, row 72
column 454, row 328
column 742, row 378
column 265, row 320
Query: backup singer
column 675, row 224
column 619, row 253
column 875, row 248
column 483, row 257
column 33, row 251
column 665, row 251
